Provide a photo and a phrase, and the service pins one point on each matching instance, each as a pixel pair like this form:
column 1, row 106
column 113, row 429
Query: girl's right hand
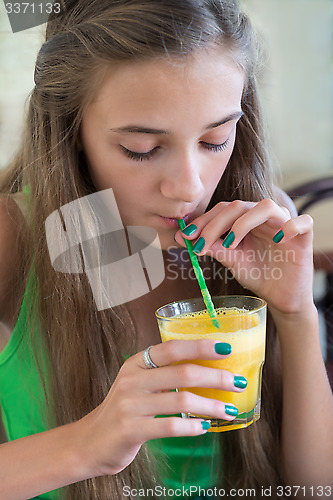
column 114, row 432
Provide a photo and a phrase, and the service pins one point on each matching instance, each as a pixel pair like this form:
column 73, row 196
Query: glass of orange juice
column 242, row 323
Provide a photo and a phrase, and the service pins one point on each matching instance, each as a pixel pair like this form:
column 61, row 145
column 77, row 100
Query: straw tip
column 181, row 223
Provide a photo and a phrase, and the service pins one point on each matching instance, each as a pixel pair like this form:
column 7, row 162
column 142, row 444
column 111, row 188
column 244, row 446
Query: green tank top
column 183, row 461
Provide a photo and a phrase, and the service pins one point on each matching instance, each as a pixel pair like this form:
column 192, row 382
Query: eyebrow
column 137, row 129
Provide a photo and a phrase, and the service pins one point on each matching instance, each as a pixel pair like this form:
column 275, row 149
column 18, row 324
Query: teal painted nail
column 197, row 248
column 189, row 229
column 205, row 425
column 278, row 237
column 222, row 348
column 240, row 382
column 229, row 239
column 231, row 410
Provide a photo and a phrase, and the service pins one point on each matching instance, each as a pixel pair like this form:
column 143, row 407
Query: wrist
column 300, row 320
column 78, row 458
column 299, row 339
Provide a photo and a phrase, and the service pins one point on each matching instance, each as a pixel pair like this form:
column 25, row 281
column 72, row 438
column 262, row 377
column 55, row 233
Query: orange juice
column 245, row 331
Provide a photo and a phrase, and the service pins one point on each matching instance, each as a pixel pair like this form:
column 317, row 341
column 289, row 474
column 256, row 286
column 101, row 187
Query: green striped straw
column 200, row 278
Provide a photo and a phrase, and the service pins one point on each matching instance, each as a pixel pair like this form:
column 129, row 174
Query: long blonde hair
column 85, row 346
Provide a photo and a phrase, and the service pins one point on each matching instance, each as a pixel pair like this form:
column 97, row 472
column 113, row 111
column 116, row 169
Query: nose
column 182, row 180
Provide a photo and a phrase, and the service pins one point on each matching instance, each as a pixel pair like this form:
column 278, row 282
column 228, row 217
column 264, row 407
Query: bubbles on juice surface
column 232, row 321
column 221, row 311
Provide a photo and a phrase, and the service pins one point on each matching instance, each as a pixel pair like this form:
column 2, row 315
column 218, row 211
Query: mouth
column 173, row 221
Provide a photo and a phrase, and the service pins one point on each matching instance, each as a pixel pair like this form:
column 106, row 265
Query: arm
column 43, row 462
column 108, row 439
column 285, row 281
column 307, row 431
column 305, row 392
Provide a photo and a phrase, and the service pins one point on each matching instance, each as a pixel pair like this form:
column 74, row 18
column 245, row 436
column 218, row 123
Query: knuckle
column 308, row 219
column 172, row 348
column 203, row 347
column 217, row 407
column 127, row 366
column 185, row 399
column 286, row 211
column 126, row 363
column 291, row 226
column 187, row 374
column 197, row 348
column 125, row 430
column 171, row 426
column 221, row 204
column 267, row 203
column 125, row 408
column 195, row 428
column 236, row 204
column 123, row 384
column 222, row 376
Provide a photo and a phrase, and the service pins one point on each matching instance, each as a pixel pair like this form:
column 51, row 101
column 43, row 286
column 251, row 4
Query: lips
column 177, row 217
column 173, row 221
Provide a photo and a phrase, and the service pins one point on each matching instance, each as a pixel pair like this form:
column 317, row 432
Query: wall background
column 17, row 60
column 298, row 84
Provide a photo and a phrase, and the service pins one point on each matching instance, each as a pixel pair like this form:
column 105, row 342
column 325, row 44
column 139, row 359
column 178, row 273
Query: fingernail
column 229, row 239
column 174, row 237
column 222, row 348
column 198, row 246
column 231, row 410
column 205, row 425
column 189, row 229
column 240, row 382
column 278, row 237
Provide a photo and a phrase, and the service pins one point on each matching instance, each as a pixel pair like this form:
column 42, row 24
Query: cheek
column 100, row 165
column 222, row 163
column 229, row 151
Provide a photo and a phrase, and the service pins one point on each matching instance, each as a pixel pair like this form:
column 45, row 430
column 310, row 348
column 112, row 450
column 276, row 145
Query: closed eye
column 139, row 156
column 216, row 147
column 133, row 155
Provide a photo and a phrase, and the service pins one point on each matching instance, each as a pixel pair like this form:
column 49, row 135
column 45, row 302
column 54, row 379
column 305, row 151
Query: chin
column 143, row 236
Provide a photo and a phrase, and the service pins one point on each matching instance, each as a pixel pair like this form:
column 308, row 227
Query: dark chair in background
column 305, row 197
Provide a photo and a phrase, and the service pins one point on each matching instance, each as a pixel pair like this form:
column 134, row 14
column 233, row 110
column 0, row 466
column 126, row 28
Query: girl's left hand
column 281, row 273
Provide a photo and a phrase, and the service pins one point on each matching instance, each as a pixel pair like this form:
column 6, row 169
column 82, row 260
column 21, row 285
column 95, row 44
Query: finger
column 266, row 211
column 215, row 223
column 171, row 427
column 218, row 226
column 171, row 403
column 187, row 375
column 285, row 209
column 302, row 224
column 172, row 351
column 194, row 228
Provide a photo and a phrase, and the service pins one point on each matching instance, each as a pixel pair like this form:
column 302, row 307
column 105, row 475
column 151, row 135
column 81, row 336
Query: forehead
column 170, row 88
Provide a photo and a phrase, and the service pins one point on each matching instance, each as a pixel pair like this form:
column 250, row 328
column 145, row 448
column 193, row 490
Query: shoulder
column 285, row 201
column 10, row 255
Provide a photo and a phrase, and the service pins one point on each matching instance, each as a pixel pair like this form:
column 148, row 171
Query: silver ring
column 147, row 359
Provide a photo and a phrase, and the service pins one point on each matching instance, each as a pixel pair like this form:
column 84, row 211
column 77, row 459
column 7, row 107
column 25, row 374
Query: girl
column 145, row 97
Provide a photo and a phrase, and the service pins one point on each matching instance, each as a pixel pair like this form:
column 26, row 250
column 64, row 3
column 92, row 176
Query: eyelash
column 216, row 148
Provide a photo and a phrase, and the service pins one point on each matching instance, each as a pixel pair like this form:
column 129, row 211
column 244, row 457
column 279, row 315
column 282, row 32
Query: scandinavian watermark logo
column 25, row 15
column 121, row 263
